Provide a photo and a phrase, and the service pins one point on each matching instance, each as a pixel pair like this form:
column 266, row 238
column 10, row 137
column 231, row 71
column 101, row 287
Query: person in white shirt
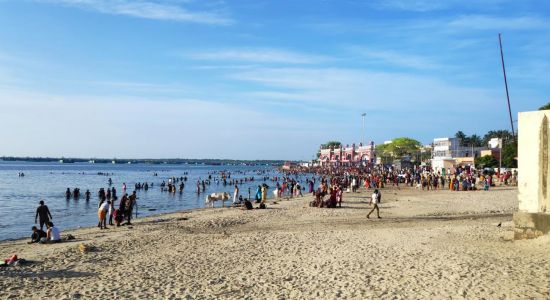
column 236, row 195
column 52, row 234
column 375, row 199
column 102, row 214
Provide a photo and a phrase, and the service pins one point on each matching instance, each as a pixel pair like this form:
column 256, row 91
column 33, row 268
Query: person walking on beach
column 42, row 214
column 375, row 200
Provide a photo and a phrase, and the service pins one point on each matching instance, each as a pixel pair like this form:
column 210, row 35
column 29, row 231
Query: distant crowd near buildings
column 445, row 153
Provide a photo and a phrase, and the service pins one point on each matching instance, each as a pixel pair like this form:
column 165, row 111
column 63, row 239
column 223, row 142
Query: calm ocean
column 19, row 196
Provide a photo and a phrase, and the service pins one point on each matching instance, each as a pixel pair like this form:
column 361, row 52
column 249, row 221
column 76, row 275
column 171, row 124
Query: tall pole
column 363, row 133
column 506, row 85
column 499, row 156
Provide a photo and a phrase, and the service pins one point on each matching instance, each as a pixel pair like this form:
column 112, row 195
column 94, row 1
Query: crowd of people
column 326, row 184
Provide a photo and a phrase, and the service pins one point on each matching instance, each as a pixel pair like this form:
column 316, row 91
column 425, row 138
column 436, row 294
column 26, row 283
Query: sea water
column 19, row 196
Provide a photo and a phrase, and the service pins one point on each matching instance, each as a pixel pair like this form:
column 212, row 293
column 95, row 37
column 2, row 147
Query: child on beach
column 37, row 235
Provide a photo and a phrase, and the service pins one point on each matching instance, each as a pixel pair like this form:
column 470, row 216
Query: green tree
column 327, row 145
column 509, row 155
column 487, row 161
column 460, row 135
column 398, row 148
column 503, row 134
column 545, row 107
column 475, row 141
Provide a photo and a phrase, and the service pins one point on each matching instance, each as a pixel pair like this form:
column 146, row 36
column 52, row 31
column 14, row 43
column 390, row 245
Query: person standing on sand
column 236, row 194
column 102, row 214
column 130, row 207
column 264, row 192
column 258, row 195
column 42, row 214
column 375, row 199
column 112, row 210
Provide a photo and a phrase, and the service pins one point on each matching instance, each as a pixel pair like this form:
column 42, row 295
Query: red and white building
column 348, row 155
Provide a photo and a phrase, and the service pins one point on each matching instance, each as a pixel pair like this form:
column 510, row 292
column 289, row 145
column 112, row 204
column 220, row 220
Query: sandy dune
column 427, row 245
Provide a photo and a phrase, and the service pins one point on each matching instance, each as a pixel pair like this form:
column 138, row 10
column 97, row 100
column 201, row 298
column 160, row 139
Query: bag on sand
column 262, row 206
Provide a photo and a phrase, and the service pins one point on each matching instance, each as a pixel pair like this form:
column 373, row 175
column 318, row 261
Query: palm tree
column 502, row 134
column 460, row 135
column 475, row 140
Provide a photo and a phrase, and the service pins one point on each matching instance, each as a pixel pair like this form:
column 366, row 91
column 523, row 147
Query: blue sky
column 260, row 79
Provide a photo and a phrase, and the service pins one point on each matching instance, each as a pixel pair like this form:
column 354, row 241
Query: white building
column 448, row 153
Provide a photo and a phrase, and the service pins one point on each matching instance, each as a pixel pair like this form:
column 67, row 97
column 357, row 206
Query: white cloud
column 414, row 5
column 348, row 89
column 141, row 87
column 484, row 22
column 158, row 10
column 434, row 5
column 258, row 55
column 395, row 58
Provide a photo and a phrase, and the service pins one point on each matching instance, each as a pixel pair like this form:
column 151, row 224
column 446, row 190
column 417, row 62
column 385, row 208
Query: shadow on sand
column 51, row 274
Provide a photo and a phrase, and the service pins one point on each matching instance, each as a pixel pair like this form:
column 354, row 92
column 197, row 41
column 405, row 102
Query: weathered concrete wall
column 533, row 161
column 533, row 217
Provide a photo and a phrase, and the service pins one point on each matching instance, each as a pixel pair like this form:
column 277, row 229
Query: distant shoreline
column 154, row 161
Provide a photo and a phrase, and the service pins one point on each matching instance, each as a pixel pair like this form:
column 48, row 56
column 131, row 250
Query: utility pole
column 506, row 86
column 363, row 133
column 499, row 156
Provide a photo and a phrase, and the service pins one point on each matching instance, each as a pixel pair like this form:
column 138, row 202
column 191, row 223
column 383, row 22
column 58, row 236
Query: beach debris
column 83, row 248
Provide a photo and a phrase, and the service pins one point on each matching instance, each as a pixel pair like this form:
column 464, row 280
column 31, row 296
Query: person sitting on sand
column 37, row 235
column 247, row 205
column 318, row 202
column 52, row 235
column 331, row 202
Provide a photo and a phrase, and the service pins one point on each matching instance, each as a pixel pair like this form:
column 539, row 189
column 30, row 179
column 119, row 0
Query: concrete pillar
column 533, row 216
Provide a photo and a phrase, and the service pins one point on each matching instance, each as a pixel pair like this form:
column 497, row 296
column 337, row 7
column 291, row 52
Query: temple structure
column 348, row 155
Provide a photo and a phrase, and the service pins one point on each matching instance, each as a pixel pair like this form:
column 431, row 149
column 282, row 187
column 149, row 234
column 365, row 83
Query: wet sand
column 427, row 245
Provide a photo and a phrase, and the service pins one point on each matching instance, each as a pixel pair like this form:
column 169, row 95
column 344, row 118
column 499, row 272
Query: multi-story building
column 448, row 153
column 348, row 155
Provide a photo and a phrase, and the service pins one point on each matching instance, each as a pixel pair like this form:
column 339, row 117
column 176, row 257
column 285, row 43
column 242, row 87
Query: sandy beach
column 427, row 245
